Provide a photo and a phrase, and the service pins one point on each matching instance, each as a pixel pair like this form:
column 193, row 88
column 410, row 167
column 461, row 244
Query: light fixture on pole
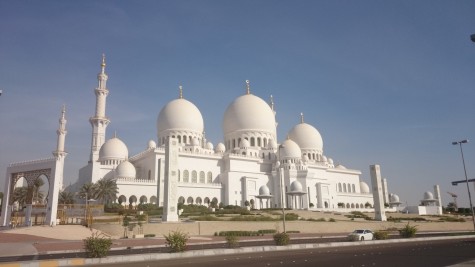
column 282, row 190
column 466, row 178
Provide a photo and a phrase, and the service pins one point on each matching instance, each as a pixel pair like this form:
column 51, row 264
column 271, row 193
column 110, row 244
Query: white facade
column 247, row 166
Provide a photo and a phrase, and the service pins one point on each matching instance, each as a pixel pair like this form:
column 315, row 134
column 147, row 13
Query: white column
column 170, row 211
column 377, row 193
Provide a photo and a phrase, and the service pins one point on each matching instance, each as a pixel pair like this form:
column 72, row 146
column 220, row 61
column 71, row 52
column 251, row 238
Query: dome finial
column 115, row 134
column 271, row 102
column 103, row 64
column 248, row 87
column 63, row 111
column 181, row 91
column 301, row 117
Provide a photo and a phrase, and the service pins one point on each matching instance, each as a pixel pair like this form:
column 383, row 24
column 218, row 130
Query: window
column 186, row 176
column 210, row 177
column 253, row 141
column 202, row 177
column 194, row 177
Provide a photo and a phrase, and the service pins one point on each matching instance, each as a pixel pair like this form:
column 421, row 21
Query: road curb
column 214, row 252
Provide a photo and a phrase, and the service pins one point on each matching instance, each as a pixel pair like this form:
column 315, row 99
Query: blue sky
column 385, row 82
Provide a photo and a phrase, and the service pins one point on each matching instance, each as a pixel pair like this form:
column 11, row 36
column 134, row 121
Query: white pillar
column 170, row 211
column 378, row 197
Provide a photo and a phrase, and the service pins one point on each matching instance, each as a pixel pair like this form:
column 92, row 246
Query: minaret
column 60, row 155
column 99, row 122
column 59, row 152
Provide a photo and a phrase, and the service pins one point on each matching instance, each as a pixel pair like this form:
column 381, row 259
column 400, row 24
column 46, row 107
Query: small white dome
column 296, row 186
column 209, row 146
column 272, row 144
column 364, row 188
column 220, row 148
column 264, row 190
column 324, row 159
column 245, row 143
column 339, row 166
column 180, row 115
column 289, row 149
column 113, row 149
column 305, row 158
column 125, row 170
column 151, row 144
column 307, row 137
column 393, row 198
column 330, row 161
column 428, row 195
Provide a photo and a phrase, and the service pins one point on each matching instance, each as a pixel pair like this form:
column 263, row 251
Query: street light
column 466, row 178
column 282, row 191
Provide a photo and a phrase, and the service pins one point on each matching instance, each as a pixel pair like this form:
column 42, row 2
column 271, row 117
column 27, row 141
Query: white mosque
column 249, row 166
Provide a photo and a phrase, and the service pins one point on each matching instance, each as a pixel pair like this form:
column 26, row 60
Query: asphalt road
column 412, row 254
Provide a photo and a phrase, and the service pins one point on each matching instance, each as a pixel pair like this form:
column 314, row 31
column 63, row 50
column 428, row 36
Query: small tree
column 367, row 205
column 281, row 239
column 125, row 224
column 97, row 245
column 311, row 205
column 341, row 204
column 214, row 204
column 246, row 203
column 176, row 241
column 140, row 219
column 232, row 240
column 408, row 231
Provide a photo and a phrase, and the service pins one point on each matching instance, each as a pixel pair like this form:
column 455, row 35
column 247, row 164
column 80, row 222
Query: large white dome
column 113, row 149
column 179, row 114
column 307, row 137
column 364, row 188
column 125, row 170
column 249, row 113
column 289, row 149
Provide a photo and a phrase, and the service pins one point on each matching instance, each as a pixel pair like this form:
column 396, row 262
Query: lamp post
column 466, row 178
column 282, row 190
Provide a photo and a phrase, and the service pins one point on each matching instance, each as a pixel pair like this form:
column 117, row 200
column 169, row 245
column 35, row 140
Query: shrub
column 451, row 219
column 317, row 220
column 253, row 218
column 149, row 235
column 353, row 238
column 293, row 232
column 408, row 231
column 176, row 241
column 232, row 241
column 206, row 218
column 381, row 235
column 238, row 233
column 281, row 239
column 332, row 220
column 267, row 231
column 311, row 205
column 291, row 217
column 97, row 245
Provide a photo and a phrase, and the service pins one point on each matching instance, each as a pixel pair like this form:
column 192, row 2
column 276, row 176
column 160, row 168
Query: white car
column 360, row 235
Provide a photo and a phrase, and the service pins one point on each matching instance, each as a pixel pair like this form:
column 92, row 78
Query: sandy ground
column 342, row 225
